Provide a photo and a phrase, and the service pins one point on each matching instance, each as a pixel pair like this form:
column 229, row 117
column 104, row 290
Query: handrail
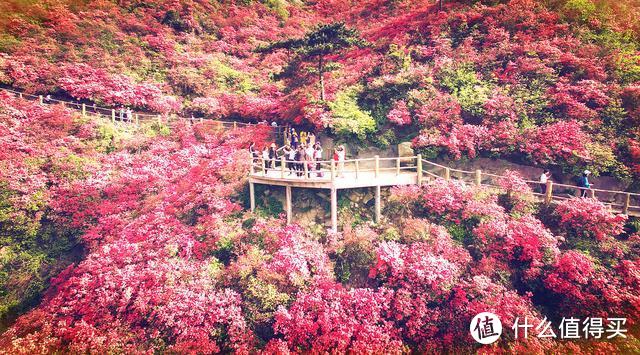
column 79, row 106
column 349, row 165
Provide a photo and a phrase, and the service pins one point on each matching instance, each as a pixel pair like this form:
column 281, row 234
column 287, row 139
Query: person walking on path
column 584, row 184
column 543, row 180
column 317, row 154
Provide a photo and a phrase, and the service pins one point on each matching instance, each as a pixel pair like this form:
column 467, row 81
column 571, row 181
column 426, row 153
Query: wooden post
column 288, row 206
column 252, row 196
column 377, row 172
column 378, row 214
column 593, row 193
column 283, row 164
column 159, row 119
column 548, row 195
column 306, row 170
column 264, row 166
column 627, row 203
column 419, row 169
column 357, row 169
column 84, row 110
column 41, row 99
column 334, row 209
column 20, row 95
column 253, row 168
column 235, row 125
column 397, row 166
column 478, row 180
column 113, row 115
column 333, row 171
column 447, row 174
column 137, row 119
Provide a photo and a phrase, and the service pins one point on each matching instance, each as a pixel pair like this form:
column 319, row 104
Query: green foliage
column 355, row 259
column 109, row 137
column 348, row 118
column 279, row 7
column 263, row 299
column 32, row 250
column 325, row 40
column 627, row 66
column 463, row 83
column 400, row 59
column 156, row 128
column 8, row 42
column 384, row 139
column 229, row 79
column 581, row 10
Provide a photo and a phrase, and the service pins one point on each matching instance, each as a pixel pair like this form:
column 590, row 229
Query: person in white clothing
column 317, row 156
column 291, row 157
column 543, row 180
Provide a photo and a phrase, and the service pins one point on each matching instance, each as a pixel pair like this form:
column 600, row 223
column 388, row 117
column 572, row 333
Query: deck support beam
column 334, row 209
column 288, row 206
column 378, row 207
column 252, row 196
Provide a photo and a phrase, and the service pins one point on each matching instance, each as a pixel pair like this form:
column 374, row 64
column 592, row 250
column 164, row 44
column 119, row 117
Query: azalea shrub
column 589, row 218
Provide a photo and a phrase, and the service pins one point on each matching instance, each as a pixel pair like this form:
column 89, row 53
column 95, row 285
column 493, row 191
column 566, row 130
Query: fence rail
column 115, row 115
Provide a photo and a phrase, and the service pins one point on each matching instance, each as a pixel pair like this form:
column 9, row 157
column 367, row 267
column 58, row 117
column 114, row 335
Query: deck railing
column 427, row 171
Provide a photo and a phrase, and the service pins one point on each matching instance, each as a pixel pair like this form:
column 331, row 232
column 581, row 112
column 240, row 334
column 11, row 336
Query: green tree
column 315, row 46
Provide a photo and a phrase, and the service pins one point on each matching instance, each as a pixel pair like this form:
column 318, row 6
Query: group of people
column 126, row 114
column 301, row 153
column 583, row 182
column 295, row 140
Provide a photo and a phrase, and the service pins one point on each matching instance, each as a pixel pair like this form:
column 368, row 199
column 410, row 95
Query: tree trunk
column 321, row 77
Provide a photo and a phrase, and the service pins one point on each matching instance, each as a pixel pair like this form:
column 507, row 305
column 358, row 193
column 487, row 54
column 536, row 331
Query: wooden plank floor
column 348, row 180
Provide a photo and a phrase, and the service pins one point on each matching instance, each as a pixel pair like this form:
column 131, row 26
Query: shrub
column 589, row 218
column 348, row 118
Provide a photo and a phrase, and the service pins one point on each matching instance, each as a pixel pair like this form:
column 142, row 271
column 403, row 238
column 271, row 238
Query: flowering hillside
column 121, row 238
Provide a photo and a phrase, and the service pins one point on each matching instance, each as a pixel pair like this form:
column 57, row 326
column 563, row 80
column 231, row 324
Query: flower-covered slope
column 174, row 264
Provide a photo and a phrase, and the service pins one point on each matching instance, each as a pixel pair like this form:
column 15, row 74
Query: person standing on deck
column 294, row 139
column 318, row 157
column 121, row 114
column 309, row 153
column 292, row 160
column 289, row 155
column 299, row 158
column 312, row 139
column 265, row 158
column 272, row 155
column 340, row 157
column 303, row 138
